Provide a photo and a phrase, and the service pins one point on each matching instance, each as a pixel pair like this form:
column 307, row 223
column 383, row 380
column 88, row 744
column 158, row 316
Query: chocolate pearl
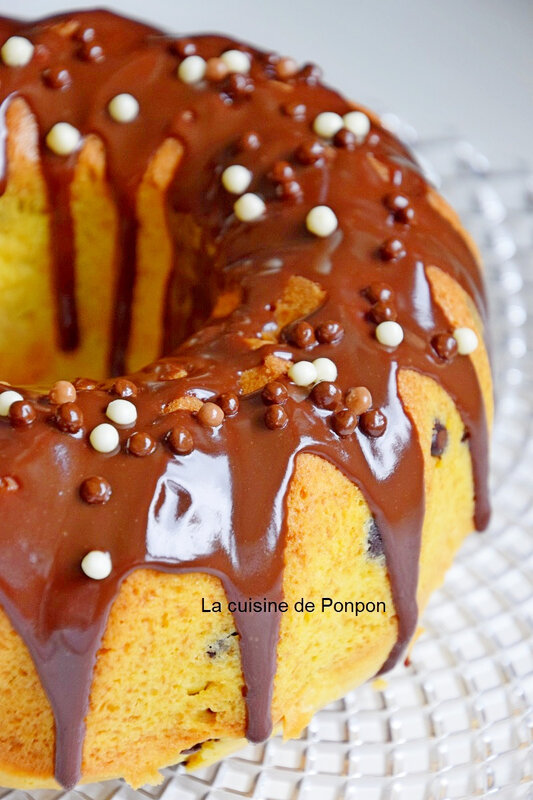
column 282, row 171
column 327, row 395
column 141, row 444
column 373, row 423
column 69, row 418
column 289, row 190
column 229, row 403
column 392, row 250
column 399, row 205
column 382, row 312
column 91, row 51
column 238, row 86
column 358, row 399
column 210, row 415
column 183, row 48
column 295, row 110
column 21, row 414
column 62, row 392
column 302, row 335
column 275, row 393
column 124, row 388
column 445, row 346
column 249, row 141
column 286, row 68
column 8, row 484
column 215, row 69
column 345, row 139
column 439, row 439
column 379, row 292
column 309, row 153
column 180, row 441
column 95, row 490
column 310, row 74
column 329, row 332
column 85, row 385
column 84, row 34
column 57, row 78
column 344, row 422
column 276, row 417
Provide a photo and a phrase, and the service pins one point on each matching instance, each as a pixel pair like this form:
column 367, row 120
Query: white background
column 456, row 65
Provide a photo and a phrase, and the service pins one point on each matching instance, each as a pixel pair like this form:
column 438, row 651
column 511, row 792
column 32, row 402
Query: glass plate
column 458, row 721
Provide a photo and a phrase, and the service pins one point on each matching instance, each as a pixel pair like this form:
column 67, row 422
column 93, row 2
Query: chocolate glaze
column 221, row 508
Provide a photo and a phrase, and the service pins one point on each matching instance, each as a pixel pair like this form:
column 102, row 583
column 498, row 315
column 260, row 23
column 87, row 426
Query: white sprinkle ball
column 236, row 179
column 303, row 373
column 97, row 564
column 104, row 438
column 7, row 399
column 123, row 107
column 192, row 69
column 249, row 207
column 17, row 51
column 321, row 221
column 326, row 369
column 466, row 339
column 123, row 412
column 236, row 61
column 327, row 124
column 358, row 123
column 389, row 333
column 63, row 138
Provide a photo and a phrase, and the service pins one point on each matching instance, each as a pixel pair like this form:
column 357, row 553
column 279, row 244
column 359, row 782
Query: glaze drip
column 218, row 509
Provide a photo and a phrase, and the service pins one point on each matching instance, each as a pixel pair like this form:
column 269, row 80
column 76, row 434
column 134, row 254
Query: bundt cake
column 211, row 547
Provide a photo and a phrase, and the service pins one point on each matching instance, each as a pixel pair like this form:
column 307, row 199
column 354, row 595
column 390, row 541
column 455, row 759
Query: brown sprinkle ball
column 302, row 335
column 85, row 384
column 329, row 332
column 8, row 484
column 345, row 139
column 215, row 69
column 183, row 48
column 57, row 78
column 392, row 250
column 358, row 399
column 210, row 415
column 62, row 392
column 289, row 190
column 382, row 312
column 399, row 205
column 295, row 110
column 141, row 444
column 309, row 153
column 180, row 441
column 276, row 417
column 95, row 490
column 249, row 141
column 445, row 346
column 84, row 34
column 69, row 418
column 21, row 414
column 310, row 74
column 286, row 68
column 373, row 423
column 229, row 403
column 344, row 422
column 281, row 172
column 327, row 395
column 439, row 439
column 275, row 393
column 124, row 388
column 377, row 292
column 91, row 51
column 238, row 86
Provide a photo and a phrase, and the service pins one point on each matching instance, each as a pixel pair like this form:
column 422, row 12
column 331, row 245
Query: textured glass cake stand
column 458, row 722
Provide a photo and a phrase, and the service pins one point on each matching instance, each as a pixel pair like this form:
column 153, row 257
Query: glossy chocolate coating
column 258, row 122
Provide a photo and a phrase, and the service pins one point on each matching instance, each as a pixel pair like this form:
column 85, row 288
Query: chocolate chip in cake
column 374, row 547
column 439, row 439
